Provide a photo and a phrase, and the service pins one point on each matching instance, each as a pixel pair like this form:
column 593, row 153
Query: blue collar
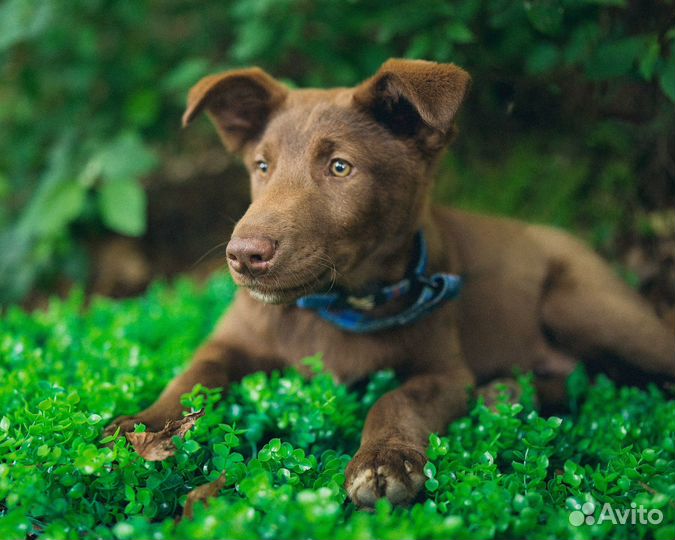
column 426, row 293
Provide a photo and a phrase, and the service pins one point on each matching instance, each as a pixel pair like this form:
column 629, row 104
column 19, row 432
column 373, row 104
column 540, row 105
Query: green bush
column 284, row 441
column 91, row 95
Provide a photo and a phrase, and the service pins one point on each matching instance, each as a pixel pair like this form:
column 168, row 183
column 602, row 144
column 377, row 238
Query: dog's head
column 340, row 178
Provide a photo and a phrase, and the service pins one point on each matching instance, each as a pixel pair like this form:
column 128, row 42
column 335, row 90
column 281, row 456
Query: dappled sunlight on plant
column 283, row 442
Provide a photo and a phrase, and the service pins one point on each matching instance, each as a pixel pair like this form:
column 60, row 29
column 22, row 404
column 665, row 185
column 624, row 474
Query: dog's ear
column 238, row 102
column 407, row 95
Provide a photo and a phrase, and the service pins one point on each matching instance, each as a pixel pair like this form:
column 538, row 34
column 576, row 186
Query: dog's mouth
column 274, row 291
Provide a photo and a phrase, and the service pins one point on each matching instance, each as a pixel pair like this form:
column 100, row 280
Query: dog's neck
column 390, row 261
column 389, row 305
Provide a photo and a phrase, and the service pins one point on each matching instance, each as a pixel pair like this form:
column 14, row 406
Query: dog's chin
column 284, row 295
column 273, row 297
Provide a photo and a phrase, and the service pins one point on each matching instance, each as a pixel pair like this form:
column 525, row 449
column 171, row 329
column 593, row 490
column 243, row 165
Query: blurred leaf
column 143, row 107
column 23, row 19
column 4, row 186
column 459, row 33
column 667, row 77
column 125, row 157
column 57, row 174
column 62, row 205
column 582, row 42
column 545, row 15
column 255, row 37
column 649, row 59
column 123, row 206
column 543, row 58
column 420, row 46
column 17, row 271
column 187, row 73
column 613, row 3
column 614, row 58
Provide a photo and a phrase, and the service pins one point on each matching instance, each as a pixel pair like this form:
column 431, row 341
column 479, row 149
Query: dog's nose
column 252, row 255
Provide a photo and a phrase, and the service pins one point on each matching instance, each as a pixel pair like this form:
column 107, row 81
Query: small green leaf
column 649, row 454
column 191, row 446
column 431, row 484
column 554, row 421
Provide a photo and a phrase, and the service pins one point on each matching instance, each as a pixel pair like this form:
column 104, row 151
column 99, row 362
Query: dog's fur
column 534, row 298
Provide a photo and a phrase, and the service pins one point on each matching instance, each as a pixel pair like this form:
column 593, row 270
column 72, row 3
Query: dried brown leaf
column 158, row 445
column 202, row 494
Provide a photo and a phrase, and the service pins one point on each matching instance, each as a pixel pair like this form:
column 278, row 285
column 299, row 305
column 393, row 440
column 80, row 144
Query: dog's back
column 537, row 298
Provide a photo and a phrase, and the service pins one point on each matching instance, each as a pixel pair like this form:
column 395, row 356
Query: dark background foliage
column 569, row 122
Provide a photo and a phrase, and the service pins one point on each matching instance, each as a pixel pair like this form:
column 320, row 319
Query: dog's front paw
column 394, row 471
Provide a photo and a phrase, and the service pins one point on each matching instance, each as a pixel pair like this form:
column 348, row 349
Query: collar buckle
column 365, row 303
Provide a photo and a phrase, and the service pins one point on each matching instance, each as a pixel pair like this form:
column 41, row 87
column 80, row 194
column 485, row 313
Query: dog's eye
column 262, row 166
column 340, row 168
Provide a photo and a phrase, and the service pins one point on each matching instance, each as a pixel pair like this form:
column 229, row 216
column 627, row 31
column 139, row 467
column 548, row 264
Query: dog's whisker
column 214, row 248
column 328, row 262
column 230, row 219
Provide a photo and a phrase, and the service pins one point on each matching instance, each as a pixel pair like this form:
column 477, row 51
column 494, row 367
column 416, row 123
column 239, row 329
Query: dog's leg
column 602, row 317
column 392, row 454
column 215, row 365
column 492, row 391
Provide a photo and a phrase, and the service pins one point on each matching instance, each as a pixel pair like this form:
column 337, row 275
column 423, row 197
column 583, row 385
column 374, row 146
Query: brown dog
column 341, row 187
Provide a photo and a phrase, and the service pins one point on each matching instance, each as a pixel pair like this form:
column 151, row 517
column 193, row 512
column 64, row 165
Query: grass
column 284, row 442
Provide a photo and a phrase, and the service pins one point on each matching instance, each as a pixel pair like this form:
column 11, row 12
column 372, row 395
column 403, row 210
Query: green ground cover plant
column 283, row 441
